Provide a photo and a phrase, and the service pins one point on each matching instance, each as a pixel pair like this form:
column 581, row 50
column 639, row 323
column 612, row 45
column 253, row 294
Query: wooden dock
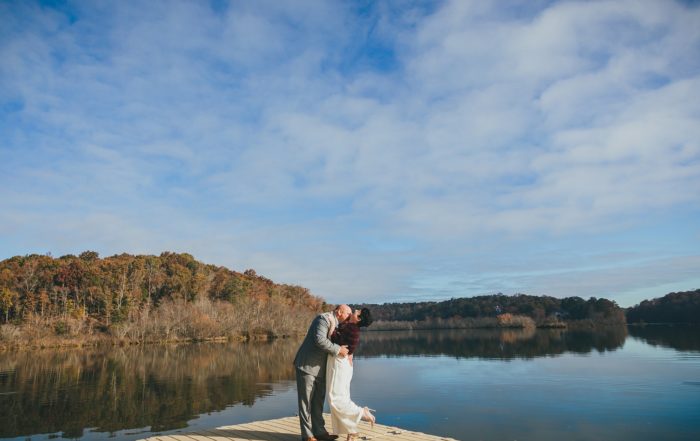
column 287, row 429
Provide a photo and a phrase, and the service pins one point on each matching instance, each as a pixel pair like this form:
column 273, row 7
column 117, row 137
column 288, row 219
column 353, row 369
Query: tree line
column 173, row 296
column 675, row 307
column 542, row 309
column 142, row 297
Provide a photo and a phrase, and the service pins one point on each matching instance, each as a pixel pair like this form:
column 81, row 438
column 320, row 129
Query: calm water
column 636, row 384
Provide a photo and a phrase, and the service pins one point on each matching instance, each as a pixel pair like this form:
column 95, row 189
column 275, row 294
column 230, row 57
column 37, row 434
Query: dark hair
column 365, row 318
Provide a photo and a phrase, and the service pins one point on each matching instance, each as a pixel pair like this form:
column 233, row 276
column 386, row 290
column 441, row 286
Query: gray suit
column 310, row 364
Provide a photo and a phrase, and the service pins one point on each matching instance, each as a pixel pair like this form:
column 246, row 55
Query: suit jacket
column 313, row 352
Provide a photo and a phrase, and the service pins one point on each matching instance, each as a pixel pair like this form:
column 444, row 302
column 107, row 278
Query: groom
column 310, row 364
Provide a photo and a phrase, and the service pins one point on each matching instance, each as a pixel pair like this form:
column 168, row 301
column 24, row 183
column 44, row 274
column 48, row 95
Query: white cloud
column 260, row 129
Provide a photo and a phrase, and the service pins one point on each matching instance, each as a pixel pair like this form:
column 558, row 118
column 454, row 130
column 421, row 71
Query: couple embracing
column 324, row 367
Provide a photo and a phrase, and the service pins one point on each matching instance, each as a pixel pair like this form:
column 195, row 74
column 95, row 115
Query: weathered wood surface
column 287, row 429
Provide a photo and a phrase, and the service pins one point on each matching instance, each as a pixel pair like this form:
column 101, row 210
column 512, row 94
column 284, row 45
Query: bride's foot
column 352, row 436
column 367, row 416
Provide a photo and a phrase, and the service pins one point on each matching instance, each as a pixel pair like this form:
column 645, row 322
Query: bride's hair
column 365, row 318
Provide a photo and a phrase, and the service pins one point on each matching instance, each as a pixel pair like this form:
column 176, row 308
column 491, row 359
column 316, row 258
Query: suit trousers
column 311, row 393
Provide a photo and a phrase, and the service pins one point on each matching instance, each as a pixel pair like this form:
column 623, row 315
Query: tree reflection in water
column 162, row 387
column 678, row 337
column 494, row 344
column 112, row 389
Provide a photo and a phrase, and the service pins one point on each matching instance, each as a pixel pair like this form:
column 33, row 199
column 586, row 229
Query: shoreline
column 511, row 322
column 108, row 342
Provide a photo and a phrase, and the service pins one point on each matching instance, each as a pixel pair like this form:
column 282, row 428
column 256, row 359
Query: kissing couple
column 324, row 367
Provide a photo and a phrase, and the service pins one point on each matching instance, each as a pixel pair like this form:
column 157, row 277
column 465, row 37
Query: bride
column 345, row 415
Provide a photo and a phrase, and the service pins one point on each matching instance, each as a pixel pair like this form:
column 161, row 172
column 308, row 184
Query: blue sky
column 371, row 151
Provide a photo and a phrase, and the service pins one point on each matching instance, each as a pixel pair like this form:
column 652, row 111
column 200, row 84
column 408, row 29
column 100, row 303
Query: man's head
column 342, row 312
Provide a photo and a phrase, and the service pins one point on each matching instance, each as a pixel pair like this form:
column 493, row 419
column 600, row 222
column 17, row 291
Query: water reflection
column 166, row 387
column 678, row 337
column 491, row 344
column 120, row 388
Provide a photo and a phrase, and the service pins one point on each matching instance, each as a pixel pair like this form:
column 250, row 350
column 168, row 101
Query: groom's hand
column 343, row 351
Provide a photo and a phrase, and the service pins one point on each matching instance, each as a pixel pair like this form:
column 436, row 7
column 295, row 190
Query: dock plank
column 225, row 435
column 287, row 429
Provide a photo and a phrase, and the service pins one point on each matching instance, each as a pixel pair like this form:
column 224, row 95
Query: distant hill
column 676, row 307
column 140, row 298
column 540, row 308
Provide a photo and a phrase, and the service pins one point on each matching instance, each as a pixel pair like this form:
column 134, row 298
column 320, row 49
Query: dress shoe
column 327, row 437
column 310, row 439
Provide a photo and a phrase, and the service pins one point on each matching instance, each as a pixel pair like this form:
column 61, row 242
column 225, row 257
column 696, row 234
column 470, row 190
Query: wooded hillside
column 170, row 296
column 539, row 308
column 676, row 307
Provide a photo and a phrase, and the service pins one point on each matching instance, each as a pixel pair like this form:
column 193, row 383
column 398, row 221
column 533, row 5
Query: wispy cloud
column 363, row 151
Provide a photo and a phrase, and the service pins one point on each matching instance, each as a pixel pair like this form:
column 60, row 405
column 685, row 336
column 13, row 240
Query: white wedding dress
column 345, row 415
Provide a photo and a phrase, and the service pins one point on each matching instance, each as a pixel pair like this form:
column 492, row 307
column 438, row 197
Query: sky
column 371, row 151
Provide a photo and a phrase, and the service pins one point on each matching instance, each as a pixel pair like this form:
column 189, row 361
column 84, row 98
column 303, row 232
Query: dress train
column 345, row 415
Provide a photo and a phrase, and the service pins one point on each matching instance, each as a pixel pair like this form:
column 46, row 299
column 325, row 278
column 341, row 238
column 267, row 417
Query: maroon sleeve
column 354, row 339
column 347, row 334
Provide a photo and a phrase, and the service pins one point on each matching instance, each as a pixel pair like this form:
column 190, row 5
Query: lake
column 636, row 383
